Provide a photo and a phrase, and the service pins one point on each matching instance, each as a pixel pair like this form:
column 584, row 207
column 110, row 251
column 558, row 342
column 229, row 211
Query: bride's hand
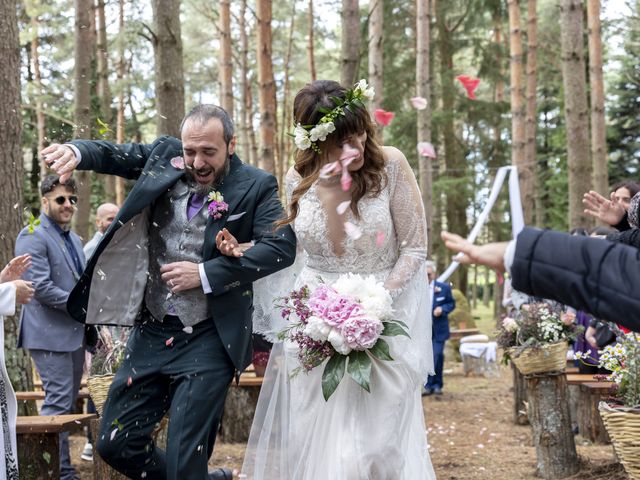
column 229, row 246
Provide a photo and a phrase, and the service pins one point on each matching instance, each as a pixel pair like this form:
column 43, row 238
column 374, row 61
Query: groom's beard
column 205, row 189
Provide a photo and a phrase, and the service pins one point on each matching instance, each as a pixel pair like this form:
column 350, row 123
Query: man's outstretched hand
column 491, row 254
column 61, row 159
column 610, row 212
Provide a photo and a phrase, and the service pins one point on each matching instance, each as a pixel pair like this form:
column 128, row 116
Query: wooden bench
column 40, row 395
column 579, row 378
column 38, row 384
column 462, row 332
column 38, row 443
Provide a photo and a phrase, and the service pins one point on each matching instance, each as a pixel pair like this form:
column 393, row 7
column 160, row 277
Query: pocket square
column 439, row 299
column 235, row 217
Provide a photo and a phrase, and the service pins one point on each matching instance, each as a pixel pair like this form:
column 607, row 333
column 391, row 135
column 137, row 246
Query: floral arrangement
column 109, row 352
column 533, row 326
column 306, row 136
column 622, row 359
column 217, row 205
column 343, row 323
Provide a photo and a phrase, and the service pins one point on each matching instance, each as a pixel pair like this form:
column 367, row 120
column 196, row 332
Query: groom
column 157, row 268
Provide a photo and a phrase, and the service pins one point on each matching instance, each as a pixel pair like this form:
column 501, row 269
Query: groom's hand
column 181, row 276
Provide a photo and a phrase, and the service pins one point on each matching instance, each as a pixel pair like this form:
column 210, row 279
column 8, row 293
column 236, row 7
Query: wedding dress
column 355, row 435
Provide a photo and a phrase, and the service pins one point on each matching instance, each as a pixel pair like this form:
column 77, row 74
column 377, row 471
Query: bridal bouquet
column 344, row 323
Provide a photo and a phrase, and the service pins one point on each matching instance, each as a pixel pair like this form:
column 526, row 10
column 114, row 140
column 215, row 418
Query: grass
column 485, row 321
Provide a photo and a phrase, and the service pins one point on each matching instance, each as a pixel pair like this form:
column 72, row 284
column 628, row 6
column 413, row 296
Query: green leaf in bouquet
column 359, row 368
column 381, row 350
column 332, row 374
column 401, row 323
column 392, row 329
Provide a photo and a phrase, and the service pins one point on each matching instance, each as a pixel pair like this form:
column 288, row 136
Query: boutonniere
column 437, row 289
column 177, row 162
column 217, row 205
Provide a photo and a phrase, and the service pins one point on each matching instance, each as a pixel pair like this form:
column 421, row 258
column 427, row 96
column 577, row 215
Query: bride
column 361, row 213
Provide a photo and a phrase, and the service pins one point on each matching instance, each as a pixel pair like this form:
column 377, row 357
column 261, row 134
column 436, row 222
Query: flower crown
column 306, row 136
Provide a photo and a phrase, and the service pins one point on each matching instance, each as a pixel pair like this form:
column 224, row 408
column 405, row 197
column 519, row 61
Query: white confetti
column 113, row 434
column 343, row 207
column 352, row 231
column 187, row 329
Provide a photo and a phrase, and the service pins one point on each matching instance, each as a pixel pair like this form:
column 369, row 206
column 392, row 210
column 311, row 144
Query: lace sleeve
column 266, row 316
column 409, row 222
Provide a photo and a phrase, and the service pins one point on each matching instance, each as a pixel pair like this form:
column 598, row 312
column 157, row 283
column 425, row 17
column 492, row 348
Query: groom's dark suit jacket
column 118, row 279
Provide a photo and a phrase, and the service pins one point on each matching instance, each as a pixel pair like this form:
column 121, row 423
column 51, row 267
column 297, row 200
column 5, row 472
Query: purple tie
column 195, row 204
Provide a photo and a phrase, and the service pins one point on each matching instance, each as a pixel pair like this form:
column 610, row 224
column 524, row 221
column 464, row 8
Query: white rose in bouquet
column 338, row 342
column 317, row 329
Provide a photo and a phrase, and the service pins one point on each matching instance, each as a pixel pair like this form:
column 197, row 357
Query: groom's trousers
column 166, row 370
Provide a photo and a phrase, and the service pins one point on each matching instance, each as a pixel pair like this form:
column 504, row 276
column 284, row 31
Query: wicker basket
column 623, row 427
column 98, row 386
column 548, row 358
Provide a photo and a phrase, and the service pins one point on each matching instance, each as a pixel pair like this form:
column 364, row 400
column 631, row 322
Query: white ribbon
column 517, row 217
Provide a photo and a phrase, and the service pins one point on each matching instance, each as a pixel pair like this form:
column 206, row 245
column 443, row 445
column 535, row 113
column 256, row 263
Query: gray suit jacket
column 44, row 322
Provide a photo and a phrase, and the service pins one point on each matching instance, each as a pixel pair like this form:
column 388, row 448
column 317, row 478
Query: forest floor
column 471, row 436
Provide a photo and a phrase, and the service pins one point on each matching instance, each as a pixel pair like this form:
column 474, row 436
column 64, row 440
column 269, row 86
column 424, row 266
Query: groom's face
column 205, row 152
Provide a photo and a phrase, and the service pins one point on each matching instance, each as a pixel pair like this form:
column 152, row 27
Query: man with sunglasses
column 55, row 340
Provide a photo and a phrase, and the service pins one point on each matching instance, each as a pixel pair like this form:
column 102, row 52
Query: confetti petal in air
column 419, row 103
column 470, row 84
column 352, row 231
column 113, row 433
column 349, row 154
column 343, row 207
column 177, row 162
column 188, row 329
column 425, row 149
column 169, row 341
column 379, row 239
column 129, row 382
column 383, row 117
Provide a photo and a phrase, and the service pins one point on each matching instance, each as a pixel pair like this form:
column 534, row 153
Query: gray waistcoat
column 174, row 238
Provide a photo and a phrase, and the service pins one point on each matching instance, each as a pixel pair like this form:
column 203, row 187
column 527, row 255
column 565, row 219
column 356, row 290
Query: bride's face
column 351, row 142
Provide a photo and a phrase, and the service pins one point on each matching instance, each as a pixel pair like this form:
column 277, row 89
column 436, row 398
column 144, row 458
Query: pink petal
column 343, row 207
column 177, row 162
column 470, row 84
column 169, row 341
column 419, row 103
column 352, row 231
column 426, row 150
column 380, row 239
column 129, row 382
column 345, row 181
column 383, row 117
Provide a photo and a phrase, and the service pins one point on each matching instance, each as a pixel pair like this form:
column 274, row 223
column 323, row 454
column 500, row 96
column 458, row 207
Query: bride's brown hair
column 307, row 106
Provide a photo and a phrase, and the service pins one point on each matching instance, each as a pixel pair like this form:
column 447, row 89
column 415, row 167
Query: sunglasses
column 61, row 199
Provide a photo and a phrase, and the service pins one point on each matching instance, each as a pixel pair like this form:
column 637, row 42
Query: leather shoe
column 427, row 391
column 221, row 474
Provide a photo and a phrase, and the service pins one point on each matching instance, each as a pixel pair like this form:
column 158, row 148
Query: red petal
column 470, row 84
column 383, row 117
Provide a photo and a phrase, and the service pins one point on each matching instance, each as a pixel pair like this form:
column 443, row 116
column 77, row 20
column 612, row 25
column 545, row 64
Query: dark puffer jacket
column 601, row 278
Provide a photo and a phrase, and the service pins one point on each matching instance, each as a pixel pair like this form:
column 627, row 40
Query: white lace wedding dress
column 354, row 435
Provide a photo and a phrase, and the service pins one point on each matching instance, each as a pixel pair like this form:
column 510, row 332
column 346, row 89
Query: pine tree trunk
column 266, row 87
column 11, row 171
column 310, row 46
column 531, row 119
column 350, row 51
column 167, row 46
column 245, row 116
column 226, row 62
column 84, row 43
column 37, row 80
column 454, row 164
column 423, row 89
column 286, row 122
column 119, row 181
column 548, row 402
column 376, row 15
column 596, row 84
column 518, row 111
column 576, row 111
column 519, row 398
column 104, row 92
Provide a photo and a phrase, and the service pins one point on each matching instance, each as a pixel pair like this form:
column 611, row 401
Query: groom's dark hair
column 204, row 112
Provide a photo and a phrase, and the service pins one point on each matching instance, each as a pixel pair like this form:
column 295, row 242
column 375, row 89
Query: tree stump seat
column 38, row 443
column 239, row 408
column 590, row 422
column 457, row 334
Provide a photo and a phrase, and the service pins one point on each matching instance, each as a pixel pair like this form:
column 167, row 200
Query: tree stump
column 38, row 457
column 101, row 470
column 519, row 398
column 239, row 409
column 548, row 400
